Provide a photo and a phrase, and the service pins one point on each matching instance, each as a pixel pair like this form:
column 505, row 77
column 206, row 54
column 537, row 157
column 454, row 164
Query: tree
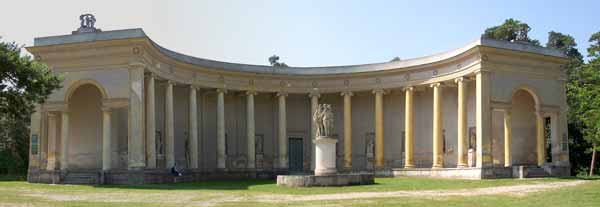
column 567, row 44
column 594, row 49
column 584, row 99
column 23, row 84
column 511, row 30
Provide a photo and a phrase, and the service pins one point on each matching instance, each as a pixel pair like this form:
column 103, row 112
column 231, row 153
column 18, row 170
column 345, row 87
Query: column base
column 437, row 166
column 409, row 166
column 461, row 165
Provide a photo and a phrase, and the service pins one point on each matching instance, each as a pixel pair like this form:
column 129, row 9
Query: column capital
column 150, row 75
column 408, row 88
column 379, row 91
column 460, row 79
column 282, row 93
column 314, row 94
column 436, row 85
column 251, row 93
column 171, row 82
column 347, row 93
column 106, row 109
column 195, row 87
column 221, row 90
column 51, row 114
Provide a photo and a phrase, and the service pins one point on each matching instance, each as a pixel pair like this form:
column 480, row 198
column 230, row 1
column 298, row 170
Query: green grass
column 229, row 193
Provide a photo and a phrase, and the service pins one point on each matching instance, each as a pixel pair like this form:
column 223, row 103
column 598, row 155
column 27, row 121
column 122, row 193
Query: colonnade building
column 129, row 110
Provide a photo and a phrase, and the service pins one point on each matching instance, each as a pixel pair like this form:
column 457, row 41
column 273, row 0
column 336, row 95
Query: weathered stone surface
column 326, row 180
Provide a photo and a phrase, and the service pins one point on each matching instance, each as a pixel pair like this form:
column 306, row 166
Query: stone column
column 170, row 127
column 52, row 131
column 438, row 153
column 314, row 105
column 379, row 159
column 409, row 128
column 106, row 138
column 250, row 132
column 347, row 130
column 150, row 123
column 282, row 132
column 221, row 156
column 193, row 125
column 507, row 137
column 541, row 150
column 462, row 123
column 64, row 141
column 135, row 142
column 483, row 118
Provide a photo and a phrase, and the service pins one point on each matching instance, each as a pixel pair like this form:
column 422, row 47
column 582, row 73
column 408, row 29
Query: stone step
column 81, row 178
column 536, row 173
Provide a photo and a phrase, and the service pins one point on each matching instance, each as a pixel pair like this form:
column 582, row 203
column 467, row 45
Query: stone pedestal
column 325, row 156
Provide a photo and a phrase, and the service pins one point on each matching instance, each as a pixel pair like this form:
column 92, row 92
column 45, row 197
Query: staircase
column 81, row 178
column 529, row 172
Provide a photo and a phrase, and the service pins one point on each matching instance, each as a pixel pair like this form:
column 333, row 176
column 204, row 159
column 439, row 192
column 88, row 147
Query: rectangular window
column 548, row 138
column 34, row 144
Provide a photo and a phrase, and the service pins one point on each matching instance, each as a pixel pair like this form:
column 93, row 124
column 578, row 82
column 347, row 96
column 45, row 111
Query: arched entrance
column 85, row 127
column 523, row 146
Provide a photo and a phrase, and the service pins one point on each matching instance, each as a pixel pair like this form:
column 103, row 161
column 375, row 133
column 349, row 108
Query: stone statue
column 159, row 143
column 87, row 24
column 274, row 61
column 323, row 120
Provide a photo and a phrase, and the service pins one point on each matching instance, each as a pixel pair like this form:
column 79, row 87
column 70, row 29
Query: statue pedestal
column 325, row 156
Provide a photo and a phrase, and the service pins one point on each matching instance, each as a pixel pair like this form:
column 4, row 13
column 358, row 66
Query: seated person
column 174, row 171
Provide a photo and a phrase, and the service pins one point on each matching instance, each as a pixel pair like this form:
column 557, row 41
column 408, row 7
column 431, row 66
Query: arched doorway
column 523, row 144
column 85, row 127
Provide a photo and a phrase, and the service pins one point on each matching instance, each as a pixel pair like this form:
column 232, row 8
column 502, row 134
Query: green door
column 295, row 154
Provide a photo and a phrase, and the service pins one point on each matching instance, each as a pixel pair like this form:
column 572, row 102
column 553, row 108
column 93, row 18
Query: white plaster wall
column 503, row 85
column 363, row 124
column 85, row 128
column 523, row 146
column 115, row 82
column 181, row 120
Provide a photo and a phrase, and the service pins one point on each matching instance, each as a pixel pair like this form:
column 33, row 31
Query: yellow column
column 221, row 155
column 409, row 128
column 347, row 130
column 150, row 123
column 462, row 123
column 250, row 129
column 507, row 137
column 170, row 127
column 64, row 141
column 52, row 144
column 106, row 138
column 540, row 138
column 379, row 160
column 483, row 118
column 438, row 154
column 314, row 105
column 282, row 132
column 193, row 125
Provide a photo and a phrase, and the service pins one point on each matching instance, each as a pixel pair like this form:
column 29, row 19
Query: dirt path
column 517, row 190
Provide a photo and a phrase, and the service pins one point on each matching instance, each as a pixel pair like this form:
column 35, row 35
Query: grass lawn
column 254, row 193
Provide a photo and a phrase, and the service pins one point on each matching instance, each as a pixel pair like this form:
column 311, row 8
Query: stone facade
column 131, row 108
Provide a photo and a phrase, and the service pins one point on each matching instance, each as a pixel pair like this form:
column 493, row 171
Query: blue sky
column 303, row 33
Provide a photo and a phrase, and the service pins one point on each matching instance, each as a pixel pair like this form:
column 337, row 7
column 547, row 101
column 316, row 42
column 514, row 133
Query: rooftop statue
column 87, row 24
column 274, row 61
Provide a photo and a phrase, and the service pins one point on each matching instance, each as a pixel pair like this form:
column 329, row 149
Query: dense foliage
column 511, row 30
column 23, row 83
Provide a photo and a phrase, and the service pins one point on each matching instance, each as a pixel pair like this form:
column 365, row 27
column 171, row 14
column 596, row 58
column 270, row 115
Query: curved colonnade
column 466, row 72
